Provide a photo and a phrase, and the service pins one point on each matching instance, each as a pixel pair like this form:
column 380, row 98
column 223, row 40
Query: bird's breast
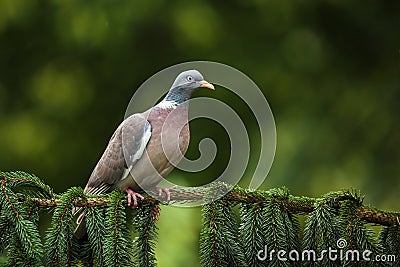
column 170, row 134
column 168, row 143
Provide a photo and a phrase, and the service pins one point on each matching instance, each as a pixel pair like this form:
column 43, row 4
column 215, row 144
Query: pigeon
column 146, row 146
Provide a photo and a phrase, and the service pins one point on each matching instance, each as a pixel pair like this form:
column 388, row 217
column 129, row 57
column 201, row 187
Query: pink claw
column 166, row 190
column 132, row 195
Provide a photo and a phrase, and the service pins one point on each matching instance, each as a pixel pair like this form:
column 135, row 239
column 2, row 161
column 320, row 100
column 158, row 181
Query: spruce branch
column 252, row 232
column 219, row 239
column 293, row 204
column 117, row 246
column 358, row 236
column 59, row 235
column 96, row 231
column 389, row 240
column 144, row 223
column 211, row 237
column 275, row 230
column 25, row 233
column 266, row 218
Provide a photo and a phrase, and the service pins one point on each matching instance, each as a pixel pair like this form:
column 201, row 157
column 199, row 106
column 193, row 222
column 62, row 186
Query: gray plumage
column 146, row 146
column 112, row 166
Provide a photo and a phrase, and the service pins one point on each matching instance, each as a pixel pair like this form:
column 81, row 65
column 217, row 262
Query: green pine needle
column 96, row 231
column 59, row 235
column 266, row 218
column 144, row 224
column 117, row 243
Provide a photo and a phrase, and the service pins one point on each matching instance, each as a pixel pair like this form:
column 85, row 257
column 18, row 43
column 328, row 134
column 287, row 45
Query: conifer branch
column 293, row 204
column 145, row 224
column 96, row 231
column 296, row 205
column 266, row 218
column 117, row 245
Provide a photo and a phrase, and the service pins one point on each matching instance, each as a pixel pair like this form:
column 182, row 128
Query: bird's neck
column 176, row 96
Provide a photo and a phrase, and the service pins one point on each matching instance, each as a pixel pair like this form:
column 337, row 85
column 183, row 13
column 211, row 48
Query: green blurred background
column 329, row 69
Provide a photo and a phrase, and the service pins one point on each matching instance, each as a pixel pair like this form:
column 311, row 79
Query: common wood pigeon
column 147, row 145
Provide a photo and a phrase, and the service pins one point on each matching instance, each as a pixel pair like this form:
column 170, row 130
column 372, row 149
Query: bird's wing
column 131, row 139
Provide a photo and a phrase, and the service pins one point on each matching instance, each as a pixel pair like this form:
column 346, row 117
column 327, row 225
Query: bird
column 146, row 146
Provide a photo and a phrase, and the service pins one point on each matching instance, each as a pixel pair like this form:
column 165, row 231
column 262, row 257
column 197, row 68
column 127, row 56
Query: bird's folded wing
column 130, row 139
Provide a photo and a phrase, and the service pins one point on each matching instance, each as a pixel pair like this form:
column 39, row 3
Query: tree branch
column 296, row 205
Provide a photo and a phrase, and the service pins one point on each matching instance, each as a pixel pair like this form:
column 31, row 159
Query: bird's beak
column 206, row 84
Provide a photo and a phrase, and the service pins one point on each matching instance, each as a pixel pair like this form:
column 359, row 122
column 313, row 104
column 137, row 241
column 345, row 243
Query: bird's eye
column 189, row 78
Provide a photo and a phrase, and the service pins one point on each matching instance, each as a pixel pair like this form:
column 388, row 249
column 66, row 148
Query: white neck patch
column 167, row 104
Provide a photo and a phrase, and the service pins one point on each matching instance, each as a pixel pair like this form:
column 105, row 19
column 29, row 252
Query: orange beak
column 206, row 84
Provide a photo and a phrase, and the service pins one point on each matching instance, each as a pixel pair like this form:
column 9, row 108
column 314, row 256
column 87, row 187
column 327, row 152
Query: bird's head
column 191, row 80
column 185, row 84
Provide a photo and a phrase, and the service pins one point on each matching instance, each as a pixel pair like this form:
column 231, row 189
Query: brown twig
column 292, row 204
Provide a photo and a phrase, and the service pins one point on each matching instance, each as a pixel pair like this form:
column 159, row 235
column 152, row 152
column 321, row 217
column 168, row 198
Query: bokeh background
column 329, row 69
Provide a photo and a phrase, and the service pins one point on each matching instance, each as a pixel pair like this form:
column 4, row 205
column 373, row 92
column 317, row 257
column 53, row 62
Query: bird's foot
column 132, row 196
column 166, row 190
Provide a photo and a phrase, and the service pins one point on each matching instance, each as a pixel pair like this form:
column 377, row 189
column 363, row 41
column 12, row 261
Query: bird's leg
column 166, row 190
column 132, row 195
